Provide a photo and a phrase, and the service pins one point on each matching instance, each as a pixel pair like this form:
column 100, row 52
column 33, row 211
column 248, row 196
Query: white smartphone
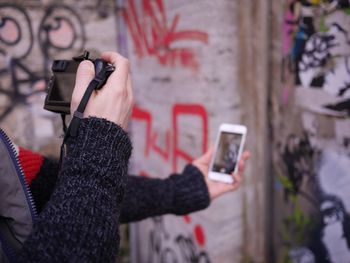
column 228, row 149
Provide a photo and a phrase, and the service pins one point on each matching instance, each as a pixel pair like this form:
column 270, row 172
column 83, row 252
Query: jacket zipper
column 11, row 149
column 29, row 198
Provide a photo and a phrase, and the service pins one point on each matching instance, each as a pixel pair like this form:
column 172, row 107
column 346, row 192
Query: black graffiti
column 332, row 211
column 20, row 79
column 346, row 86
column 8, row 20
column 313, row 51
column 343, row 105
column 304, row 30
column 181, row 250
column 103, row 8
column 16, row 16
column 155, row 237
column 329, row 210
column 298, row 157
column 316, row 53
column 342, row 3
column 55, row 18
column 188, row 251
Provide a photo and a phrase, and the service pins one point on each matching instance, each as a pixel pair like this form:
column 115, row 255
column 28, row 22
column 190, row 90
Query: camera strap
column 72, row 130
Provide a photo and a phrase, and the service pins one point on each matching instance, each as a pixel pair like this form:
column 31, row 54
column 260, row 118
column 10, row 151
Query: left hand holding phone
column 217, row 188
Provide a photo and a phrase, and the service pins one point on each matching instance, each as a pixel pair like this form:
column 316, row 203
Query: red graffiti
column 152, row 36
column 151, row 135
column 162, row 152
column 199, row 234
column 188, row 109
column 187, row 219
column 144, row 174
column 198, row 231
column 171, row 151
column 139, row 114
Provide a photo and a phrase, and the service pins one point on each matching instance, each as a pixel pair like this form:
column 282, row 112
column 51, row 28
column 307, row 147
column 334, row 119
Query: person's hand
column 114, row 101
column 216, row 188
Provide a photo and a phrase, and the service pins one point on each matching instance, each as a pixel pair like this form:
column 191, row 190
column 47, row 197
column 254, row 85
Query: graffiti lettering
column 183, row 250
column 329, row 231
column 158, row 236
column 151, row 135
column 194, row 110
column 318, row 54
column 152, row 36
column 60, row 29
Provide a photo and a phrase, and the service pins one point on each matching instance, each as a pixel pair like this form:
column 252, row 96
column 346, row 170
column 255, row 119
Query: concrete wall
column 33, row 33
column 190, row 80
column 196, row 64
column 311, row 129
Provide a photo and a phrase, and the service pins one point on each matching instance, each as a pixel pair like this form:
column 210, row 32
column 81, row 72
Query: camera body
column 62, row 82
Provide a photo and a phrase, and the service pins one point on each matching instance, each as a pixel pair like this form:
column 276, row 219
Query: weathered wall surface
column 195, row 64
column 279, row 67
column 185, row 59
column 32, row 34
column 311, row 125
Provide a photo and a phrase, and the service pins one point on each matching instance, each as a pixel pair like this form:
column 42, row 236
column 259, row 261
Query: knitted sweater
column 81, row 209
column 80, row 222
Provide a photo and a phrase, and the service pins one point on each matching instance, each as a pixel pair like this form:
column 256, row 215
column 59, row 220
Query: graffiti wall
column 32, row 35
column 312, row 155
column 184, row 65
column 195, row 65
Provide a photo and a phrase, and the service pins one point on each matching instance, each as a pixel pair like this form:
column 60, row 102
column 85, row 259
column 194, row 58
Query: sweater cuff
column 191, row 192
column 100, row 143
column 100, row 153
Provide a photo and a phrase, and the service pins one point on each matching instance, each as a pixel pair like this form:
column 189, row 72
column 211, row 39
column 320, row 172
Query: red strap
column 31, row 163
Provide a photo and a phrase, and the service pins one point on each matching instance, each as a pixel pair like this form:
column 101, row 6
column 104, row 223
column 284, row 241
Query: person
column 81, row 204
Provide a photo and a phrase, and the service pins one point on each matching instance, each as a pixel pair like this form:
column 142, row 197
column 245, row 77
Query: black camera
column 62, row 82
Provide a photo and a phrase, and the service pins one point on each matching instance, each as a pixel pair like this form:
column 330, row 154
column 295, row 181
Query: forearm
column 144, row 197
column 80, row 222
column 179, row 194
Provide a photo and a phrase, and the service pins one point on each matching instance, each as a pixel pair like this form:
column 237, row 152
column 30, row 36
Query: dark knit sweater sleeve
column 44, row 183
column 178, row 194
column 80, row 221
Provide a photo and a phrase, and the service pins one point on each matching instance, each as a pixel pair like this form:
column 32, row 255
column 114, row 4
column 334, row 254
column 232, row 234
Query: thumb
column 207, row 155
column 85, row 73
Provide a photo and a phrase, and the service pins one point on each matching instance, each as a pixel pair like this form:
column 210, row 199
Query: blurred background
column 280, row 67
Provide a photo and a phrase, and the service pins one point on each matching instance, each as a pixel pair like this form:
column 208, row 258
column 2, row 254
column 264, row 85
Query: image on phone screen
column 227, row 152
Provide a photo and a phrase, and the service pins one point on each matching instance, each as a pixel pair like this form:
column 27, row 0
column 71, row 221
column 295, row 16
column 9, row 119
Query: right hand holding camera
column 114, row 101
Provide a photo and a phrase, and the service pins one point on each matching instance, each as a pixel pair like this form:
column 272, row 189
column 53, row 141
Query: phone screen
column 227, row 152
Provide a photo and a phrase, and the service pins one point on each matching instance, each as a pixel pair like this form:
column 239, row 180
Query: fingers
column 238, row 177
column 111, row 57
column 85, row 73
column 121, row 64
column 203, row 161
column 244, row 158
column 208, row 154
column 129, row 90
column 130, row 95
column 246, row 155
